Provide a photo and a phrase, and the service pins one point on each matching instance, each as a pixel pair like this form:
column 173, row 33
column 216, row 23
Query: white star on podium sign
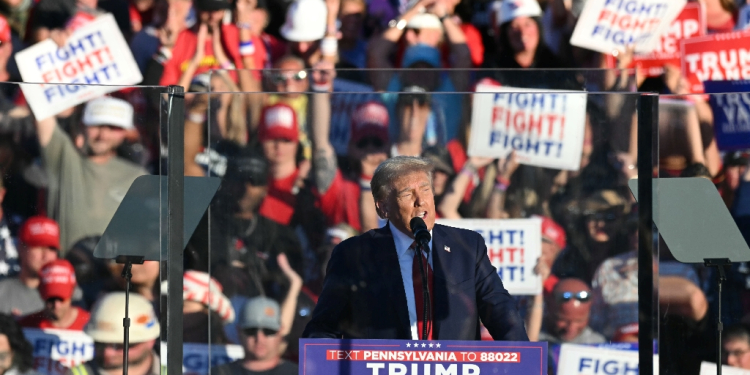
column 416, row 344
column 408, row 345
column 431, row 345
column 437, row 345
column 424, row 345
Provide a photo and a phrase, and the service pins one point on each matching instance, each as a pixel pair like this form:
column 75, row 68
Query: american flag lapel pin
column 447, row 248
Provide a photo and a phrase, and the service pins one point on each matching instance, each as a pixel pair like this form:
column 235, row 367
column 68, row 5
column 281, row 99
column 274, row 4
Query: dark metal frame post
column 175, row 218
column 648, row 120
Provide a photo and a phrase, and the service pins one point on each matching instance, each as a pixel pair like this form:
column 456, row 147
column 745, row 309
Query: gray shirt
column 21, row 300
column 18, row 298
column 83, row 196
column 587, row 336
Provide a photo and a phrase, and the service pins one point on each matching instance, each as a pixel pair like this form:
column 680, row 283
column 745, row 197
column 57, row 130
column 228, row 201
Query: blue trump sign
column 730, row 103
column 414, row 357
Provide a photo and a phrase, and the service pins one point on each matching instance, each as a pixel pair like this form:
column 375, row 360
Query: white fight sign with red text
column 587, row 360
column 709, row 368
column 513, row 246
column 95, row 54
column 544, row 127
column 690, row 23
column 716, row 57
column 613, row 25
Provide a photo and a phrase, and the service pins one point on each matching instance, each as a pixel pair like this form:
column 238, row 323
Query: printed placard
column 55, row 350
column 95, row 54
column 586, row 360
column 690, row 23
column 743, row 19
column 716, row 57
column 709, row 368
column 381, row 357
column 197, row 359
column 544, row 127
column 613, row 25
column 513, row 246
column 731, row 109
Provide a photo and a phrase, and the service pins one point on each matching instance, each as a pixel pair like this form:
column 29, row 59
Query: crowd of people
column 261, row 78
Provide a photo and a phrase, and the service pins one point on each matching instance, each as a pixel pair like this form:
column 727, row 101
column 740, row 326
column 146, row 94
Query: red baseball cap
column 40, row 231
column 58, row 279
column 278, row 121
column 625, row 331
column 4, row 30
column 551, row 231
column 370, row 119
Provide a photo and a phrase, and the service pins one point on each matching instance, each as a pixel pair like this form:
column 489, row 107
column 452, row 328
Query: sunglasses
column 602, row 216
column 251, row 332
column 282, row 78
column 370, row 141
column 582, row 296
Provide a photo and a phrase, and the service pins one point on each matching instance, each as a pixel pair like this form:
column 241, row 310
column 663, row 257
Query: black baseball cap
column 213, row 5
column 249, row 166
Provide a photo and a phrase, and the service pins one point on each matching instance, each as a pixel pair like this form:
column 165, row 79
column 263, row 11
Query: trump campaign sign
column 95, row 54
column 730, row 104
column 414, row 357
column 716, row 57
column 544, row 127
column 57, row 349
column 513, row 246
column 613, row 25
column 690, row 23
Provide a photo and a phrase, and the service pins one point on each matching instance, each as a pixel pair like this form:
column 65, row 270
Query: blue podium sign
column 413, row 357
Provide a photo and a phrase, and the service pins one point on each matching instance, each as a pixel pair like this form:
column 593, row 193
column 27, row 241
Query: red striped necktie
column 419, row 297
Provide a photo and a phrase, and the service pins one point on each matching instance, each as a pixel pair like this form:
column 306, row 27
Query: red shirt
column 185, row 50
column 339, row 204
column 39, row 320
column 279, row 202
column 459, row 157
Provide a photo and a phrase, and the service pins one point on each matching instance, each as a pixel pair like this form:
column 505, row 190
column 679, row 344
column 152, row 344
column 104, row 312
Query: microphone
column 421, row 234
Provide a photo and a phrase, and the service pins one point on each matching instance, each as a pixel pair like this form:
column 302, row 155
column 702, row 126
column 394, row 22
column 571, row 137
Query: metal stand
column 720, row 264
column 128, row 261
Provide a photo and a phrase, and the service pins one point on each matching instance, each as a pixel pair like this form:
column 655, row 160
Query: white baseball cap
column 108, row 111
column 105, row 324
column 512, row 9
column 305, row 21
column 424, row 21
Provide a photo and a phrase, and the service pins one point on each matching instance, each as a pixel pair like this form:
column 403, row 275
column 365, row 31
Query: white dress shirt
column 405, row 261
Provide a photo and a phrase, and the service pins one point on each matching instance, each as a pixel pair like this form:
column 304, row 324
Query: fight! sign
column 716, row 57
column 95, row 54
column 690, row 23
column 586, row 360
column 197, row 359
column 513, row 246
column 709, row 368
column 544, row 127
column 413, row 357
column 57, row 349
column 613, row 25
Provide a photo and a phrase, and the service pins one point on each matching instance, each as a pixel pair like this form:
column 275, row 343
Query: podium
column 421, row 357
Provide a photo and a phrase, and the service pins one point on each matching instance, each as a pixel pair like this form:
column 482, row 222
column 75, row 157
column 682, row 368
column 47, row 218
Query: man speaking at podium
column 375, row 285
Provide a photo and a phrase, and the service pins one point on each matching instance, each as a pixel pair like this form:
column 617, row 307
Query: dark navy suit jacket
column 363, row 294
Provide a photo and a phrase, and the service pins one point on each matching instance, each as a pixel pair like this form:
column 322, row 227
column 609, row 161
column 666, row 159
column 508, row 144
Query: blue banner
column 414, row 357
column 730, row 102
